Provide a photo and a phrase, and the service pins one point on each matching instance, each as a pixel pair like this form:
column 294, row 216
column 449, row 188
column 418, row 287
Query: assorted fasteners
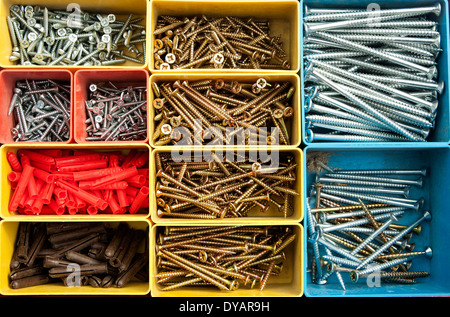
column 57, row 182
column 226, row 42
column 64, row 38
column 222, row 112
column 368, row 76
column 226, row 257
column 229, row 187
column 371, row 76
column 41, row 111
column 352, row 218
column 116, row 113
column 78, row 254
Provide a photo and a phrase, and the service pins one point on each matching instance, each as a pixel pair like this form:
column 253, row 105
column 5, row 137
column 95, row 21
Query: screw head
column 158, row 44
column 106, row 38
column 61, row 32
column 236, row 87
column 111, row 18
column 256, row 89
column 49, row 40
column 234, row 285
column 166, row 129
column 175, row 121
column 98, row 119
column 73, row 37
column 14, row 132
column 28, row 14
column 97, row 26
column 31, row 22
column 271, row 140
column 104, row 22
column 158, row 103
column 309, row 135
column 256, row 167
column 38, row 58
column 170, row 58
column 24, row 43
column 429, row 252
column 218, row 58
column 354, row 276
column 102, row 56
column 278, row 113
column 261, row 83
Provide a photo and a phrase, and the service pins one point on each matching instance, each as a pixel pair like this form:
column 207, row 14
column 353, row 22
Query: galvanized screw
column 355, row 66
column 205, row 42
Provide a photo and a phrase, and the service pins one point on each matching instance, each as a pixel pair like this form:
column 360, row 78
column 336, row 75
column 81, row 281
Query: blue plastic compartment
column 435, row 233
column 441, row 131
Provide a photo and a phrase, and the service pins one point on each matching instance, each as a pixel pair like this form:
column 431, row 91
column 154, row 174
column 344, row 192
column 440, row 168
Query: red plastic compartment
column 8, row 79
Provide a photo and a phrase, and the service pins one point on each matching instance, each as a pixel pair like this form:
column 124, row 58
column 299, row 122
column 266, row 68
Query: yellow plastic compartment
column 119, row 77
column 120, row 8
column 293, row 124
column 283, row 16
column 288, row 284
column 272, row 214
column 6, row 191
column 8, row 233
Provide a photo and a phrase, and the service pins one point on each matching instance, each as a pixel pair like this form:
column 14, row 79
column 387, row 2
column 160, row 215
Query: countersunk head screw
column 278, row 113
column 61, row 32
column 218, row 58
column 24, row 44
column 104, row 22
column 32, row 36
column 101, row 46
column 262, row 83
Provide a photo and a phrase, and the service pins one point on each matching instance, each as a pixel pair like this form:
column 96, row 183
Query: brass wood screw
column 221, row 256
column 228, row 112
column 223, row 188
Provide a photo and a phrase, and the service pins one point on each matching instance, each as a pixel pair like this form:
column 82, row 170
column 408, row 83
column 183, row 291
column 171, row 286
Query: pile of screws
column 225, row 188
column 57, row 182
column 222, row 257
column 206, row 42
column 41, row 111
column 352, row 227
column 116, row 114
column 78, row 254
column 219, row 112
column 371, row 76
column 43, row 37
